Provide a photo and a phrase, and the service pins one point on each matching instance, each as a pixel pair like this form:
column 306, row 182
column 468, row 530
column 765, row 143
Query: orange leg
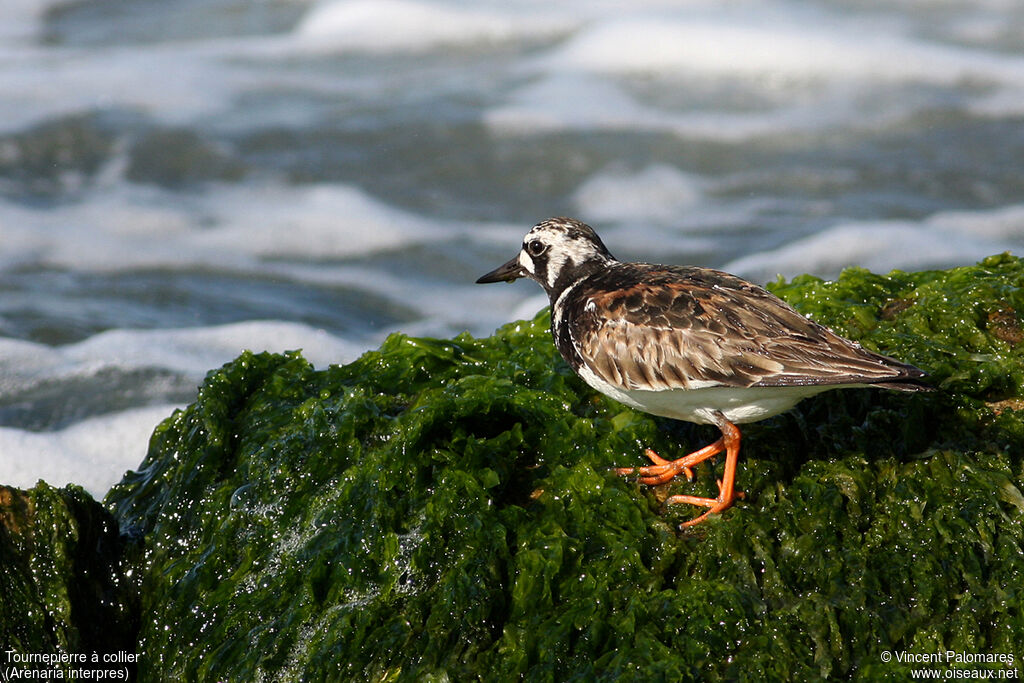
column 665, row 470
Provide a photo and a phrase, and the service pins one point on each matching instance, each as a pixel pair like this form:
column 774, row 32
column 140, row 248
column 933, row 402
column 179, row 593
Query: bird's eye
column 536, row 247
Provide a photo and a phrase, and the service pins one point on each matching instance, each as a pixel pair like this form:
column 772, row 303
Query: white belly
column 738, row 405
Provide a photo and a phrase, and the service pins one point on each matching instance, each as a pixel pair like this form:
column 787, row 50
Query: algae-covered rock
column 63, row 588
column 447, row 510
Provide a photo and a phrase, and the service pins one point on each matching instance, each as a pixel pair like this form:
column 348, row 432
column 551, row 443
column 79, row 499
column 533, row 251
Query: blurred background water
column 181, row 180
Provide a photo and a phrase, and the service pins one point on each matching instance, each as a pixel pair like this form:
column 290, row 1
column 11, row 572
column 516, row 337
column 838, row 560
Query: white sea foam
column 94, row 453
column 1002, row 223
column 318, row 221
column 47, row 83
column 809, row 72
column 128, row 227
column 559, row 101
column 408, row 25
column 656, row 193
column 584, row 101
column 185, row 82
column 786, row 50
column 188, row 352
column 940, row 241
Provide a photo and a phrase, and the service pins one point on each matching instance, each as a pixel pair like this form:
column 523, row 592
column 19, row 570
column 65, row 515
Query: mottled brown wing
column 691, row 327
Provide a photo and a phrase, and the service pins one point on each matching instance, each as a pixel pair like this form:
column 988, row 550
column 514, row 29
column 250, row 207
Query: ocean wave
column 127, row 227
column 784, row 51
column 940, row 241
column 94, row 453
column 186, row 351
column 381, row 26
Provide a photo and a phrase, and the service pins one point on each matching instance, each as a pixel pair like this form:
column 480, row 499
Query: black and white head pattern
column 559, row 251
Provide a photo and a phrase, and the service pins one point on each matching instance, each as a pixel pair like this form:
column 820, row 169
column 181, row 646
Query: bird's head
column 555, row 253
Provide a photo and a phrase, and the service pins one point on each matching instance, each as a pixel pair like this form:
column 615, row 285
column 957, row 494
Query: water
column 181, row 181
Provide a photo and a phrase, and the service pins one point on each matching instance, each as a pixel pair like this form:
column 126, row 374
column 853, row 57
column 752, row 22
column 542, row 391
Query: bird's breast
column 739, row 405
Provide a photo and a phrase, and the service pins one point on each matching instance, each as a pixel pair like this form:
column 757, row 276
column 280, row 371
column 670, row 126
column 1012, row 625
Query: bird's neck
column 570, row 277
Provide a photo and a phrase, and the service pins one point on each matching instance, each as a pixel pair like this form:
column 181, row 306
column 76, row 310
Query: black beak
column 509, row 272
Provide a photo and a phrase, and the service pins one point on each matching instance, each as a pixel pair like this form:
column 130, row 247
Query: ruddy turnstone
column 687, row 343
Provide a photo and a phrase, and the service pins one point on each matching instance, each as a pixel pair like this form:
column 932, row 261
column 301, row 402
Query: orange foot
column 660, row 472
column 663, row 471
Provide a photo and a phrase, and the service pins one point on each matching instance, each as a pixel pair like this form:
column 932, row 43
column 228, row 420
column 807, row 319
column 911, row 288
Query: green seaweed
column 63, row 583
column 448, row 510
column 962, row 324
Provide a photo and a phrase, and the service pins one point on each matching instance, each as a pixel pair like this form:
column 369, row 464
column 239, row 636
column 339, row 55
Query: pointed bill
column 508, row 272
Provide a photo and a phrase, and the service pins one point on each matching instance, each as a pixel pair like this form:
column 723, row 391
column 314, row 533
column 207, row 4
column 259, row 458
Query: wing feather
column 675, row 327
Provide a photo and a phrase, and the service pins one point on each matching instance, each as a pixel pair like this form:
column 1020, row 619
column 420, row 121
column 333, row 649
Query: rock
column 63, row 584
column 446, row 509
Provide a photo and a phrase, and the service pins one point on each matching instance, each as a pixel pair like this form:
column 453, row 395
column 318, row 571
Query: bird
column 687, row 343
